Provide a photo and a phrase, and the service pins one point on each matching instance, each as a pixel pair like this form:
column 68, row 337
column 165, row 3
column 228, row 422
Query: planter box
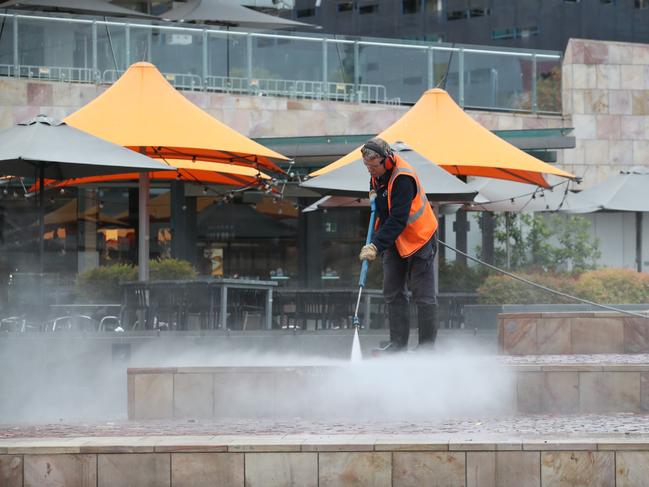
column 572, row 333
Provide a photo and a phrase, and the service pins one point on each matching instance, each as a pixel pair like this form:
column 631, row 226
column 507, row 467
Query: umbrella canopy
column 353, row 180
column 144, row 112
column 227, row 12
column 626, row 191
column 188, row 171
column 62, row 152
column 90, row 7
column 46, row 147
column 502, row 195
column 438, row 129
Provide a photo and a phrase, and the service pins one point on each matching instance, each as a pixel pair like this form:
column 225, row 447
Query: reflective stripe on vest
column 421, row 222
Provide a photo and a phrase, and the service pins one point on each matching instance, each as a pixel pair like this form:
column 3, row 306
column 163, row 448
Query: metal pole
column 460, row 69
column 431, row 68
column 534, row 93
column 325, row 69
column 15, row 47
column 357, row 68
column 143, row 225
column 41, row 219
column 205, row 52
column 638, row 240
column 249, row 58
column 95, row 67
column 127, row 45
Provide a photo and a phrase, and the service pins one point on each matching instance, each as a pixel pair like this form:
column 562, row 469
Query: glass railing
column 300, row 65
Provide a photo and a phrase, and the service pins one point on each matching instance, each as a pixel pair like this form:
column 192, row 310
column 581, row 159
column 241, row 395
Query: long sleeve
column 404, row 190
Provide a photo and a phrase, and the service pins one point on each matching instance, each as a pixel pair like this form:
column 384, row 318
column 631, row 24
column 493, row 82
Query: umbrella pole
column 638, row 240
column 143, row 228
column 41, row 219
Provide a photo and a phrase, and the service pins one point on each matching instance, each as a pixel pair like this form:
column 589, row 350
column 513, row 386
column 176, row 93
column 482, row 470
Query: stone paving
column 560, row 426
column 586, row 359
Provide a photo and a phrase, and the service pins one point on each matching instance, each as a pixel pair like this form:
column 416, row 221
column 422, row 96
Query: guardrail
column 360, row 70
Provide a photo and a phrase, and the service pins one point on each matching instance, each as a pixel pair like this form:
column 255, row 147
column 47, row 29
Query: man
column 405, row 238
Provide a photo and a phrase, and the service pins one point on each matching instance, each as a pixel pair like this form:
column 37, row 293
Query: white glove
column 368, row 252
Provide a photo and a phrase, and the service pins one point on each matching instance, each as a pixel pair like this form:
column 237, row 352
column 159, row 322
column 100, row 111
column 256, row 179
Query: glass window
column 456, row 15
column 368, row 9
column 641, row 4
column 306, row 12
column 433, row 5
column 345, row 6
column 410, row 6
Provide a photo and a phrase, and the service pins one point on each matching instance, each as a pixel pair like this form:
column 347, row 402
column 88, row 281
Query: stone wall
column 605, row 89
column 345, row 460
column 572, row 333
column 253, row 116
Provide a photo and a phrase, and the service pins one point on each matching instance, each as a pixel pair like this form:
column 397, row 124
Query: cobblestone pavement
column 568, row 426
column 598, row 359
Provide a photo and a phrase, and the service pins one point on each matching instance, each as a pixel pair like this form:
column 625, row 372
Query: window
column 306, row 12
column 368, row 9
column 410, row 6
column 608, row 2
column 641, row 4
column 479, row 12
column 456, row 15
column 571, row 1
column 503, row 34
column 433, row 5
column 345, row 6
column 522, row 32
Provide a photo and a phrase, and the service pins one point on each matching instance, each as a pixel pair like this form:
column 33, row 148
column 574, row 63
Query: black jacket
column 392, row 223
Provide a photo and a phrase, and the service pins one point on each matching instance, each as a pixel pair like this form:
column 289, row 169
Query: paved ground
column 569, row 426
column 598, row 359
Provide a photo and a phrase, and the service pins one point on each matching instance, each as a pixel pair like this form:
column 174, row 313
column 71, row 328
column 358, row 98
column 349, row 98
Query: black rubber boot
column 427, row 321
column 398, row 314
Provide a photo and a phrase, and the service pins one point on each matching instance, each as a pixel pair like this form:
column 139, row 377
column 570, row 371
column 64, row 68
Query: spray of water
column 75, row 379
column 357, row 354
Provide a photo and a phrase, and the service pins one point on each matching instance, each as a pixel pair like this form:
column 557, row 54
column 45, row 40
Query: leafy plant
column 616, row 286
column 170, row 269
column 102, row 284
column 502, row 289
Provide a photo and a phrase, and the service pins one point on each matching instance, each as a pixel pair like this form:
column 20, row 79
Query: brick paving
column 634, row 426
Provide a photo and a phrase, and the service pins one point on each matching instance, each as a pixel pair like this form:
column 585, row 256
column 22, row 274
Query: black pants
column 416, row 273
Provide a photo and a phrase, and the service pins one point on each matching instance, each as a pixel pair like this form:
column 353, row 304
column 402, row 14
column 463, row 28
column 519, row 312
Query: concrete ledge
column 224, row 392
column 300, row 461
column 583, row 332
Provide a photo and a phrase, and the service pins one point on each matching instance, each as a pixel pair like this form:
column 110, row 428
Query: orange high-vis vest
column 422, row 222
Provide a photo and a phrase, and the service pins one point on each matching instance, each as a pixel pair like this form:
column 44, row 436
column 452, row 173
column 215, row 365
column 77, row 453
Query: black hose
column 540, row 286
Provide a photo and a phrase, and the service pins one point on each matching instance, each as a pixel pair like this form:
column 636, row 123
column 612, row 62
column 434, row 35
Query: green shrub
column 101, row 284
column 170, row 269
column 614, row 286
column 501, row 289
column 456, row 276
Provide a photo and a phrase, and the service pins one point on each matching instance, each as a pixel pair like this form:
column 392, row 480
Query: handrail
column 266, row 61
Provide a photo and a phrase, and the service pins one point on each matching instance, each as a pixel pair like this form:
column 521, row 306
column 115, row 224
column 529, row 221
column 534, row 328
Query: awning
column 438, row 129
column 226, row 12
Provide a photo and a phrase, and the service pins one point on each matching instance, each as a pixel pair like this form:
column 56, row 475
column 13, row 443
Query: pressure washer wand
column 361, row 280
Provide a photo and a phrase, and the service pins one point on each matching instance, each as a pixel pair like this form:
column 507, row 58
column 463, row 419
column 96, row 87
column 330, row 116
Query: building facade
column 531, row 24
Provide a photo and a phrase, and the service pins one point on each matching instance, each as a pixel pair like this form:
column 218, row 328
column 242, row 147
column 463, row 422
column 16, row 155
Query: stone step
column 583, row 332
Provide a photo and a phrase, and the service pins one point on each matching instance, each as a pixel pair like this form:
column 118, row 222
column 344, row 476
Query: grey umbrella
column 46, row 148
column 227, row 12
column 353, row 180
column 503, row 195
column 90, row 7
column 626, row 191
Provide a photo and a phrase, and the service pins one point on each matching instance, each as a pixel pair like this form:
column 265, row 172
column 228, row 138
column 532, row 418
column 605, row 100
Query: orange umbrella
column 438, row 129
column 189, row 171
column 144, row 112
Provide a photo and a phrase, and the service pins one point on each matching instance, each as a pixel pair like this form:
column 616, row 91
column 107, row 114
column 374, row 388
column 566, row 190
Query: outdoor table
column 218, row 295
column 221, row 285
